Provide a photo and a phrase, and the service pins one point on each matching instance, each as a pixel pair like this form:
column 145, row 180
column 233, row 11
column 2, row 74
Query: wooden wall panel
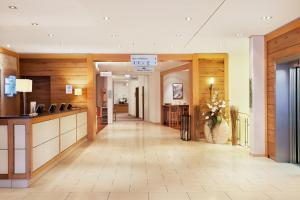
column 61, row 72
column 281, row 45
column 40, row 91
column 210, row 68
column 9, row 66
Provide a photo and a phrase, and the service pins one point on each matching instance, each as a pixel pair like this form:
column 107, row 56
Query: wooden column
column 195, row 96
column 91, row 99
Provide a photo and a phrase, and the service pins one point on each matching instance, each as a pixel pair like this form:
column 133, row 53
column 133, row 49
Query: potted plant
column 216, row 129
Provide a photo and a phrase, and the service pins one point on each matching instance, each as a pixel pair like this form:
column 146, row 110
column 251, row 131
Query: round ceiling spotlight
column 239, row 35
column 188, row 19
column 106, row 18
column 8, row 46
column 51, row 35
column 34, row 24
column 267, row 18
column 114, row 35
column 179, row 35
column 13, row 7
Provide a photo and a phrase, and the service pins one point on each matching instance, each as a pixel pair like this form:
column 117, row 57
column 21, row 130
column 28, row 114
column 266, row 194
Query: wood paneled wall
column 8, row 66
column 281, row 45
column 61, row 72
column 209, row 68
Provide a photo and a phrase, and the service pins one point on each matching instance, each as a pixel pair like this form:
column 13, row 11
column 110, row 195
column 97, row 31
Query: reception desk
column 28, row 144
column 121, row 108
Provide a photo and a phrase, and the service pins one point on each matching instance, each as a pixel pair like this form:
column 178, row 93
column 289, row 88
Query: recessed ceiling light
column 179, row 35
column 114, row 35
column 8, row 45
column 239, row 35
column 106, row 18
column 34, row 24
column 13, row 7
column 266, row 18
column 51, row 35
column 188, row 19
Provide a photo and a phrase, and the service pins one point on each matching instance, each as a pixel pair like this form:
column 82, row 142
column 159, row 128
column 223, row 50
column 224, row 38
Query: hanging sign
column 144, row 63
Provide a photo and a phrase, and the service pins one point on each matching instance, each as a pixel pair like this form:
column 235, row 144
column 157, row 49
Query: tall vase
column 219, row 135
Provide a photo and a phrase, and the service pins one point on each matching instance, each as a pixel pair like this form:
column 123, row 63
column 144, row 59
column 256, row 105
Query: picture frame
column 177, row 91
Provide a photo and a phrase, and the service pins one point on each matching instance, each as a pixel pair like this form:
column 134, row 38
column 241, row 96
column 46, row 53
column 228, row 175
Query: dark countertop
column 40, row 115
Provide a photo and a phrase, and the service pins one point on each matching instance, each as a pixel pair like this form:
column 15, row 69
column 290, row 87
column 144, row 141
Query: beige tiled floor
column 137, row 161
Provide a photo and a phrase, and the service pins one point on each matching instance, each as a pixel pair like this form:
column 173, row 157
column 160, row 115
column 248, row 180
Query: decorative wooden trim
column 3, row 176
column 266, row 97
column 52, row 56
column 282, row 30
column 8, row 52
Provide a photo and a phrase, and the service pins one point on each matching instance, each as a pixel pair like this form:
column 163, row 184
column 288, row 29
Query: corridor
column 140, row 161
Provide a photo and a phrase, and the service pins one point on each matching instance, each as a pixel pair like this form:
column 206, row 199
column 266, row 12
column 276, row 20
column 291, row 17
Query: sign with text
column 144, row 60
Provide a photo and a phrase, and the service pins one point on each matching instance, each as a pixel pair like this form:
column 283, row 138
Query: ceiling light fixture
column 51, row 35
column 239, row 35
column 8, row 45
column 34, row 24
column 179, row 35
column 188, row 19
column 106, row 18
column 13, row 7
column 266, row 18
column 114, row 35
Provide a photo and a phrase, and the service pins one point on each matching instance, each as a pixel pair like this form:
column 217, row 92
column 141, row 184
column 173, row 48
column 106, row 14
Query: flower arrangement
column 216, row 111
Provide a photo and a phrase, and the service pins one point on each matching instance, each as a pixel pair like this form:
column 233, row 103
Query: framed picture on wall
column 177, row 91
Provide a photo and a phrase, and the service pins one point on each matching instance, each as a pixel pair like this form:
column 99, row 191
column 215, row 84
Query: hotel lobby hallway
column 141, row 161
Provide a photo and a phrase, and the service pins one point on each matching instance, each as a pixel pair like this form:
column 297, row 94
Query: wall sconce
column 78, row 92
column 211, row 84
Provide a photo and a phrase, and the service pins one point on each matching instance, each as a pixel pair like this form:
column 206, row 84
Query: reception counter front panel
column 27, row 144
column 3, row 150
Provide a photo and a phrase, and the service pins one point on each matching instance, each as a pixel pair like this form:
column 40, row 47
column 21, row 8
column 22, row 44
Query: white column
column 109, row 100
column 257, row 112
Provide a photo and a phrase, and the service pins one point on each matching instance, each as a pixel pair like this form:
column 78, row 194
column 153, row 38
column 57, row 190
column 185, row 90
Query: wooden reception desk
column 28, row 144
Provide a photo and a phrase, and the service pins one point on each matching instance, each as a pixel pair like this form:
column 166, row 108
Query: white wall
column 257, row 125
column 109, row 99
column 131, row 96
column 176, row 77
column 239, row 77
column 121, row 90
column 154, row 97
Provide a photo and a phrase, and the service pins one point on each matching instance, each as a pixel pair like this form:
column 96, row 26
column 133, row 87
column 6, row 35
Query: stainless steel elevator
column 288, row 112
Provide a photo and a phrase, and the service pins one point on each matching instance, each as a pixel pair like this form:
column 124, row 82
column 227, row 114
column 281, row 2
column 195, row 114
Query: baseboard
column 257, row 155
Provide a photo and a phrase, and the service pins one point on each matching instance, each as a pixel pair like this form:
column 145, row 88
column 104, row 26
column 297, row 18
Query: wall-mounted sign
column 10, row 86
column 144, row 60
column 105, row 74
column 144, row 69
column 69, row 89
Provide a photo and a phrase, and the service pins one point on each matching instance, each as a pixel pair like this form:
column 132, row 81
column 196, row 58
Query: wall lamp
column 78, row 92
column 211, row 85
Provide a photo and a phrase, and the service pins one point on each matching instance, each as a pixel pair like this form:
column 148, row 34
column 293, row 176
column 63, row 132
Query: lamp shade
column 23, row 85
column 78, row 92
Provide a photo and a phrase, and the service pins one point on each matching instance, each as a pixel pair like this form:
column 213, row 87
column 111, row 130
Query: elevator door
column 294, row 115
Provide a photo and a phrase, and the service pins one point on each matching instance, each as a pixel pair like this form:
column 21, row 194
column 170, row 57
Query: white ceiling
column 141, row 26
column 121, row 68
